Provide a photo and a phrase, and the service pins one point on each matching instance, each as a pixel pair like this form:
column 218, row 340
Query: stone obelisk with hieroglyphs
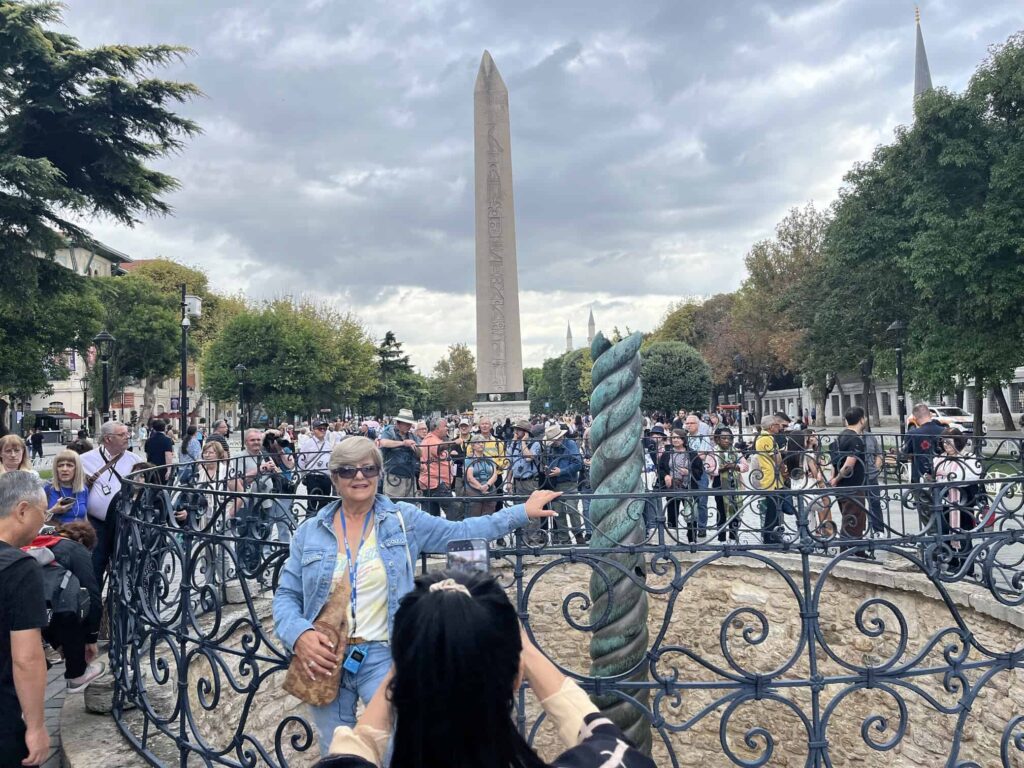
column 498, row 343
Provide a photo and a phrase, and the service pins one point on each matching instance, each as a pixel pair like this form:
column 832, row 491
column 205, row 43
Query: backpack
column 65, row 595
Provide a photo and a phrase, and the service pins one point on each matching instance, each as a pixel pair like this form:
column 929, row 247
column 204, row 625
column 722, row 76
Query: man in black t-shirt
column 23, row 734
column 159, row 447
column 851, row 474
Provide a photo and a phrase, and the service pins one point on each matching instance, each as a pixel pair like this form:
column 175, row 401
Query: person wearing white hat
column 400, row 447
column 560, row 464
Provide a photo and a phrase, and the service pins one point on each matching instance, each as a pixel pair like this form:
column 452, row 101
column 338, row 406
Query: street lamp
column 898, row 327
column 105, row 344
column 240, row 371
column 191, row 306
column 739, row 364
column 85, row 381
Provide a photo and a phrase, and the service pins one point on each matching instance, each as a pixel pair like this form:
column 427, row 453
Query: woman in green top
column 481, row 477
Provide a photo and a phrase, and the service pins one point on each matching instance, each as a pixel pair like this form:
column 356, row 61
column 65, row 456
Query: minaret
column 922, row 75
column 568, row 337
column 591, row 329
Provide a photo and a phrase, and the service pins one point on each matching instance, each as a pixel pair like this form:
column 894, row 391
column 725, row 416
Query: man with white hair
column 699, row 445
column 106, row 465
column 24, row 738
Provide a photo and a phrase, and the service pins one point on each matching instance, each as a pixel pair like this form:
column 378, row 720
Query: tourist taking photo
column 453, row 632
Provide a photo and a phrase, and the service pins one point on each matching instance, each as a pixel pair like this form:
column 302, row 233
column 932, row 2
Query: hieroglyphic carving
column 495, row 250
column 499, row 357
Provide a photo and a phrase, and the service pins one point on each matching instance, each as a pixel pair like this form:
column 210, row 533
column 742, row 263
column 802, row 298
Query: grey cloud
column 653, row 141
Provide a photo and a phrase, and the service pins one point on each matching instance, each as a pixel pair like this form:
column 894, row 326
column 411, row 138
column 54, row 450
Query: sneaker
column 94, row 670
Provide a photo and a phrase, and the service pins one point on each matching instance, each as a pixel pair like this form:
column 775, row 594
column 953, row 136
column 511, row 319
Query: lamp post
column 85, row 381
column 738, row 364
column 105, row 344
column 898, row 327
column 191, row 306
column 240, row 371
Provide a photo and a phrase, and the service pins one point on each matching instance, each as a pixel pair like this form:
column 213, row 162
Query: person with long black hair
column 458, row 640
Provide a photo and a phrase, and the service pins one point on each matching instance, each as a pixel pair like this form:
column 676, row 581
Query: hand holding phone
column 66, row 502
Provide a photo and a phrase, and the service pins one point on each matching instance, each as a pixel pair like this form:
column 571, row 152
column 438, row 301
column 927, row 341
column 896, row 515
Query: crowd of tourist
column 377, row 494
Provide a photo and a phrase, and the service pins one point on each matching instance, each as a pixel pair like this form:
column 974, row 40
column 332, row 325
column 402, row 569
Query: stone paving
column 55, row 689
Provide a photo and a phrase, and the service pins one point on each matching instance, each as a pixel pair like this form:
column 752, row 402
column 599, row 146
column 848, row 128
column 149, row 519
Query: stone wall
column 713, row 595
column 716, row 592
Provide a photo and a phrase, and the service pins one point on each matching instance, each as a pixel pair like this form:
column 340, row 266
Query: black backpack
column 65, row 595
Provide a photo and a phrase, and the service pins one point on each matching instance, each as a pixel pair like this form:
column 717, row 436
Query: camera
column 272, row 440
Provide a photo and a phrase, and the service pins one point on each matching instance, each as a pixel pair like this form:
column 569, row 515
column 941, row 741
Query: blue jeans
column 875, row 506
column 702, row 503
column 775, row 507
column 362, row 685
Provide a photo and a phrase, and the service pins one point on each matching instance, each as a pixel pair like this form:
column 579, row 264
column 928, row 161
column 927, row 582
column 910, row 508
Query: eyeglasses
column 347, row 473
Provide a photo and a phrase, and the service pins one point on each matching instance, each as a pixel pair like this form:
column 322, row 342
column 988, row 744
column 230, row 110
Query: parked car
column 952, row 417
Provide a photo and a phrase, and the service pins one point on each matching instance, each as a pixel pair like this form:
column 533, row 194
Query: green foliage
column 531, row 379
column 575, row 392
column 674, row 376
column 77, row 130
column 299, row 359
column 455, row 379
column 168, row 276
column 148, row 342
column 549, row 389
column 51, row 311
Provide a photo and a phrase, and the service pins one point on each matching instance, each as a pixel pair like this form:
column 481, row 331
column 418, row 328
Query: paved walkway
column 55, row 688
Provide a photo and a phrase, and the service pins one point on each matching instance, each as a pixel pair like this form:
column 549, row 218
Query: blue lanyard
column 353, row 564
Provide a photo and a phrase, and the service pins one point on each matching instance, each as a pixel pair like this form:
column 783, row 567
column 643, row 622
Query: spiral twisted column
column 619, row 611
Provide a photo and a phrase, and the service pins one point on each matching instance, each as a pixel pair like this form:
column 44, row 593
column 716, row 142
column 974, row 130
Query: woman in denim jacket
column 374, row 542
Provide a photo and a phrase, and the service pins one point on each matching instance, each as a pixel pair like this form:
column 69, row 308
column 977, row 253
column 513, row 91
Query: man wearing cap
column 560, row 463
column 314, row 454
column 400, row 447
column 522, row 462
column 436, row 468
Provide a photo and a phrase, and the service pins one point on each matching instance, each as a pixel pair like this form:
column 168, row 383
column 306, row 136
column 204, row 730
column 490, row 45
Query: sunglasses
column 347, row 473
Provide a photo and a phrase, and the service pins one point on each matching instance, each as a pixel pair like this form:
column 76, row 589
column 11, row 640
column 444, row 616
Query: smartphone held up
column 469, row 556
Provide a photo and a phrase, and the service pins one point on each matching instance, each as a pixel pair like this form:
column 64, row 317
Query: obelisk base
column 497, row 412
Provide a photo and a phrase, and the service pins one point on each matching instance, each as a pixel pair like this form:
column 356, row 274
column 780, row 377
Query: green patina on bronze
column 620, row 640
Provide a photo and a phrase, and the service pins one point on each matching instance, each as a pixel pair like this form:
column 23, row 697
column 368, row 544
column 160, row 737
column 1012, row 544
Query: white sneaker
column 94, row 670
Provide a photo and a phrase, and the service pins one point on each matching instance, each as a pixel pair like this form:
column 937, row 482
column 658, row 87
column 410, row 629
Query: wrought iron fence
column 784, row 616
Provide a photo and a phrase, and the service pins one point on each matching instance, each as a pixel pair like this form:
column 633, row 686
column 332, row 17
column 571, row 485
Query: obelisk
column 499, row 353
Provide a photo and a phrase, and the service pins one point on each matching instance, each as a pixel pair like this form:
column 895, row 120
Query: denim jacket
column 305, row 581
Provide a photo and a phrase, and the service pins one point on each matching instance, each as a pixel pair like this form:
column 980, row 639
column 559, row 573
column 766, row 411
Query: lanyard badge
column 353, row 564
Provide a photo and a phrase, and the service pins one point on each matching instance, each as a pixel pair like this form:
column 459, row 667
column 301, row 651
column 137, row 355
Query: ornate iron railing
column 796, row 634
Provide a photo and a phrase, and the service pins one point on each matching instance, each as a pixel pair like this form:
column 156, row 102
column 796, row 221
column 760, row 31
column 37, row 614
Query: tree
column 168, row 276
column 531, row 380
column 77, row 129
column 148, row 340
column 575, row 392
column 455, row 379
column 679, row 323
column 299, row 358
column 546, row 394
column 393, row 372
column 674, row 376
column 55, row 311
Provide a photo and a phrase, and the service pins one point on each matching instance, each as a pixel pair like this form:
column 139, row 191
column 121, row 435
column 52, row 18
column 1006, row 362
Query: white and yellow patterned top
column 371, row 621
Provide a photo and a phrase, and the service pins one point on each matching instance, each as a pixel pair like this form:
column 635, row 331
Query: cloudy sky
column 652, row 142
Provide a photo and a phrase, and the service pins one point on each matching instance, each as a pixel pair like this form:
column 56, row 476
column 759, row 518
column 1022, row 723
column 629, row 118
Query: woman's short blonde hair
column 353, row 451
column 217, row 448
column 7, row 440
column 78, row 481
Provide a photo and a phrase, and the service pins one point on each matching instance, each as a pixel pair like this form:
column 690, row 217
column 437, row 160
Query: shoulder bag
column 332, row 622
